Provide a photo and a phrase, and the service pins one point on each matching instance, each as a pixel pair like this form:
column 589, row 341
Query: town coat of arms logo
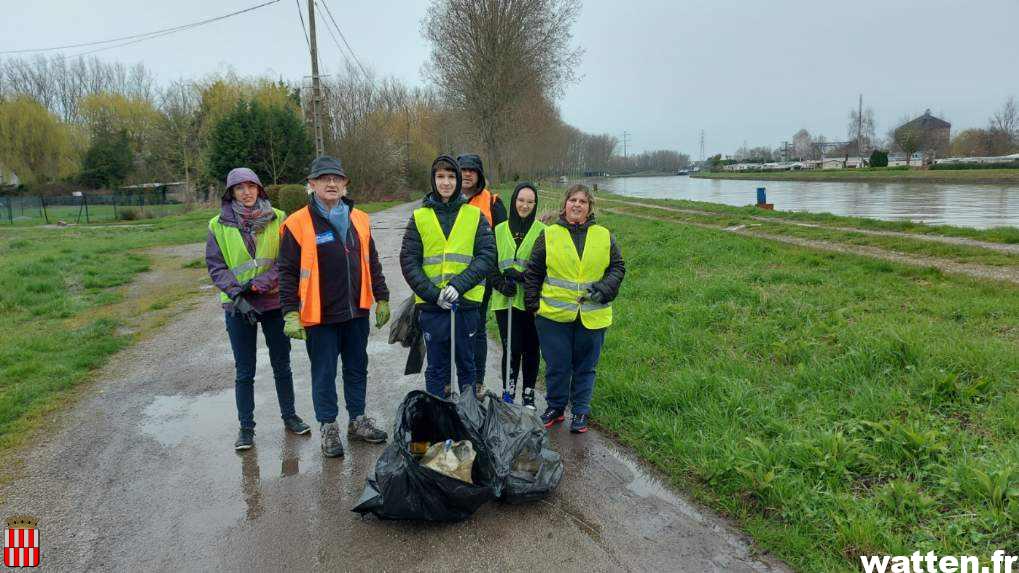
column 21, row 541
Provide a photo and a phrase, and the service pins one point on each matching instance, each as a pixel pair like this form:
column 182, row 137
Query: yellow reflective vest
column 513, row 257
column 568, row 277
column 446, row 257
column 235, row 254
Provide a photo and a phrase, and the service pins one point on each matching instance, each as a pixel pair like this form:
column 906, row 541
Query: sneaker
column 331, row 446
column 363, row 428
column 507, row 397
column 578, row 425
column 529, row 398
column 245, row 439
column 552, row 416
column 296, row 425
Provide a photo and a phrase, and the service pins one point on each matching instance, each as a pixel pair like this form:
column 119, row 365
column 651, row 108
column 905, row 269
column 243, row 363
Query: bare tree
column 488, row 55
column 861, row 131
column 803, row 145
column 1004, row 127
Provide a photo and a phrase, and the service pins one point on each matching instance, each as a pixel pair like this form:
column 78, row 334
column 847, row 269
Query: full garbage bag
column 513, row 461
column 404, row 329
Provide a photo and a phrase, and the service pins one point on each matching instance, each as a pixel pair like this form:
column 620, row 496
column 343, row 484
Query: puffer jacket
column 534, row 276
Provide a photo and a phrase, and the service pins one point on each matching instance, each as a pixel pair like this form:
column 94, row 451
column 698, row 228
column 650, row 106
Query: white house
column 8, row 177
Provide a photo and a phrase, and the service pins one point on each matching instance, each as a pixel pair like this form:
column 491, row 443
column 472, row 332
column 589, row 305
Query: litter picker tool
column 454, row 378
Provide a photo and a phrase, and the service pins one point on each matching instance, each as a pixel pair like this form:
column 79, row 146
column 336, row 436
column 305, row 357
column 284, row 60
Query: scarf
column 253, row 219
column 338, row 217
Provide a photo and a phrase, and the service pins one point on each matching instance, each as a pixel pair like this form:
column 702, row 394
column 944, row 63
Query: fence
column 86, row 207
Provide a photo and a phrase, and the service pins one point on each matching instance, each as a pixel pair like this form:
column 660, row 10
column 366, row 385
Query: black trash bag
column 513, row 462
column 401, row 488
column 406, row 330
column 524, row 468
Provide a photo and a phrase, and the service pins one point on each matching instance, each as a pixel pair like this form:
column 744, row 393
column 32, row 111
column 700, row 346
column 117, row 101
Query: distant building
column 934, row 134
column 8, row 177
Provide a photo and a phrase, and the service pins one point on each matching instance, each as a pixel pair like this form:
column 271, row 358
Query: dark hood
column 433, row 198
column 473, row 161
column 517, row 225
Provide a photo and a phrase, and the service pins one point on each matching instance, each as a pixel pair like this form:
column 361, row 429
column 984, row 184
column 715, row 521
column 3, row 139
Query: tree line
column 105, row 124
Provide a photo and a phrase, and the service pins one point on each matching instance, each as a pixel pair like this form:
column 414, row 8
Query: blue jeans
column 326, row 344
column 571, row 353
column 435, row 326
column 244, row 342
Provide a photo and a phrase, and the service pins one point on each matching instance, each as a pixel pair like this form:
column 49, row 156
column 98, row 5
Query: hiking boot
column 578, row 425
column 552, row 416
column 296, row 425
column 529, row 398
column 331, row 446
column 363, row 428
column 245, row 439
column 507, row 397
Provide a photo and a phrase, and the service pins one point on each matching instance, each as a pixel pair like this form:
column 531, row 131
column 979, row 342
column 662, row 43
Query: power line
column 337, row 44
column 140, row 37
column 344, row 38
column 303, row 25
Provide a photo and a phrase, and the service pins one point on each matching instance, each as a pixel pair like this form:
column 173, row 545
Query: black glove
column 508, row 286
column 244, row 308
column 594, row 295
column 514, row 274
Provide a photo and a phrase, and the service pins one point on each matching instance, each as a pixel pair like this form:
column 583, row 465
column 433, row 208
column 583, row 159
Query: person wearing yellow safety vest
column 475, row 191
column 330, row 275
column 240, row 254
column 447, row 252
column 514, row 240
column 573, row 276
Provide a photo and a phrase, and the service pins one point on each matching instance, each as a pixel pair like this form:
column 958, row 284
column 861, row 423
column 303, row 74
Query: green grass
column 833, row 405
column 978, row 176
column 101, row 214
column 57, row 286
column 958, row 253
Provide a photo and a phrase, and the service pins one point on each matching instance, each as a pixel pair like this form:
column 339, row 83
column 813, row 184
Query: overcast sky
column 661, row 70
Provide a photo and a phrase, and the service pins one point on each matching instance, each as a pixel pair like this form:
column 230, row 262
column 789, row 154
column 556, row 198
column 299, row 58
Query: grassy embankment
column 833, row 405
column 68, row 305
column 879, row 175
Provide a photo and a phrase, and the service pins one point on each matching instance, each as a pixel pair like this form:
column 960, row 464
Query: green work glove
column 381, row 313
column 292, row 326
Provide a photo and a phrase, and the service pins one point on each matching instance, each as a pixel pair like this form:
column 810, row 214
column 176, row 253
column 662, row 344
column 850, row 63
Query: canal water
column 979, row 206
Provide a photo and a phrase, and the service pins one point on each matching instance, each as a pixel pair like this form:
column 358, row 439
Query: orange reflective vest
column 483, row 200
column 301, row 227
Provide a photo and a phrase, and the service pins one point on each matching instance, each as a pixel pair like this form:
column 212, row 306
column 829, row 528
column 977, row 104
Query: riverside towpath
column 141, row 475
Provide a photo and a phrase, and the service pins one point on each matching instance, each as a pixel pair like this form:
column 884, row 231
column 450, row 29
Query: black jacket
column 412, row 250
column 534, row 276
column 339, row 271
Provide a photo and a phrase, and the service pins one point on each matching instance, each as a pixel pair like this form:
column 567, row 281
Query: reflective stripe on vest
column 301, row 226
column 445, row 258
column 235, row 253
column 512, row 256
column 569, row 276
column 483, row 200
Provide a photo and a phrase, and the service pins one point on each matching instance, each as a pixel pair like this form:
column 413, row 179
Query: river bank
column 961, row 176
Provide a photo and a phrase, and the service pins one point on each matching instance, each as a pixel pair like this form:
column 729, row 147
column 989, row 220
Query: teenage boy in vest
column 475, row 190
column 448, row 250
column 330, row 275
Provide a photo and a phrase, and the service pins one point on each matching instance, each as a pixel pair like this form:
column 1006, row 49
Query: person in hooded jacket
column 475, row 190
column 330, row 275
column 514, row 239
column 240, row 254
column 447, row 252
column 573, row 276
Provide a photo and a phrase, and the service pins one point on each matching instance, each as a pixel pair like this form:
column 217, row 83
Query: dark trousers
column 481, row 342
column 328, row 343
column 571, row 353
column 244, row 342
column 524, row 348
column 435, row 326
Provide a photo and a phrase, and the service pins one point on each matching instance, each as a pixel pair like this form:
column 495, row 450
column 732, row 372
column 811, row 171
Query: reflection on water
column 979, row 206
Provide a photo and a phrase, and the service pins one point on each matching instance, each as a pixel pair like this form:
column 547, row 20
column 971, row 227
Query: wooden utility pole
column 859, row 131
column 316, row 86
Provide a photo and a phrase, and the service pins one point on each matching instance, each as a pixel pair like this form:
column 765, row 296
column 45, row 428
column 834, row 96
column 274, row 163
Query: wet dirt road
column 141, row 475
